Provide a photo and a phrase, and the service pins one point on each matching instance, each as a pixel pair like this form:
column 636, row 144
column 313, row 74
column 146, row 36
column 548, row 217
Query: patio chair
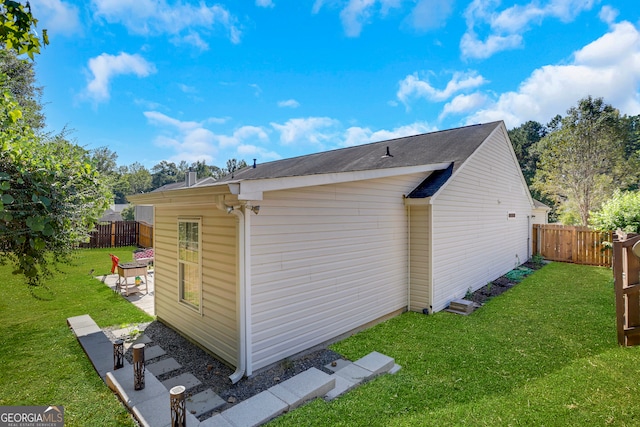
column 114, row 263
column 143, row 256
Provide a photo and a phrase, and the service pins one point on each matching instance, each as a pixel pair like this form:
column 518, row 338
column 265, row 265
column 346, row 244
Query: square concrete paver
column 153, row 352
column 203, row 402
column 255, row 411
column 375, row 362
column 340, row 363
column 354, row 373
column 342, row 385
column 163, row 366
column 309, row 384
column 187, row 380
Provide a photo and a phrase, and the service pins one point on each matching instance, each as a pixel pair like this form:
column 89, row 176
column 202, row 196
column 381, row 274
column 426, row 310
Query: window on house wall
column 189, row 262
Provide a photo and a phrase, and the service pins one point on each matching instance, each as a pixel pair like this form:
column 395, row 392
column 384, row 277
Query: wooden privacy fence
column 579, row 245
column 626, row 273
column 120, row 233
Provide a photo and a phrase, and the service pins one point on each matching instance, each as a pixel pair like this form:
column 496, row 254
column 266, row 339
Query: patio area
column 144, row 299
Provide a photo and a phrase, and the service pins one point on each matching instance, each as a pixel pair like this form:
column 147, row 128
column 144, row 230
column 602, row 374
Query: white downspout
column 240, row 300
column 247, row 290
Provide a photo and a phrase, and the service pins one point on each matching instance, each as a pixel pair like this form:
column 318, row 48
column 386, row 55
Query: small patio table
column 131, row 269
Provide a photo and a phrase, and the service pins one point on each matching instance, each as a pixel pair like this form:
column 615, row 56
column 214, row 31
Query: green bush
column 622, row 211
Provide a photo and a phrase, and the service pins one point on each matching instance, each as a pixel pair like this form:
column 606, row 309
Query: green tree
column 50, row 195
column 622, row 211
column 582, row 160
column 523, row 138
column 18, row 78
column 18, row 29
column 164, row 173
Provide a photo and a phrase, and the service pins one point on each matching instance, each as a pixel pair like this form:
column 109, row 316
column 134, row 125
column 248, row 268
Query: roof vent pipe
column 254, row 163
column 388, row 154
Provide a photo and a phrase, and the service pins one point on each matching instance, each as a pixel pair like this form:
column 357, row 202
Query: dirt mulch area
column 499, row 285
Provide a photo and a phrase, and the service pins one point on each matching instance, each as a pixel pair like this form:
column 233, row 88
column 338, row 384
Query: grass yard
column 542, row 354
column 42, row 362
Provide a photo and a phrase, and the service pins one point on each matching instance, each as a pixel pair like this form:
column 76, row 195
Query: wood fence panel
column 145, row 235
column 579, row 245
column 118, row 234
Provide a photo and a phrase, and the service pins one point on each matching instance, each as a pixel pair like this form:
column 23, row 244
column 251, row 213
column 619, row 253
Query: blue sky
column 268, row 79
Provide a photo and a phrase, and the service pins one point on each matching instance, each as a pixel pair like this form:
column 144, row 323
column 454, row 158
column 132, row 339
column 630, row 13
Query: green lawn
column 543, row 354
column 41, row 361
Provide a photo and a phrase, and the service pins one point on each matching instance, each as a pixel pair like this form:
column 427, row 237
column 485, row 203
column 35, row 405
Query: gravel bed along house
column 214, row 374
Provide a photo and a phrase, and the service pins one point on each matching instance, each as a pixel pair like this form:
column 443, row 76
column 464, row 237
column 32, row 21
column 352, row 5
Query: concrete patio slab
column 203, row 402
column 187, row 380
column 355, row 374
column 156, row 412
column 121, row 381
column 375, row 362
column 83, row 325
column 255, row 411
column 163, row 366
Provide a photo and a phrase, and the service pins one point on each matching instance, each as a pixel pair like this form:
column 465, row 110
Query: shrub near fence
column 579, row 245
column 120, row 233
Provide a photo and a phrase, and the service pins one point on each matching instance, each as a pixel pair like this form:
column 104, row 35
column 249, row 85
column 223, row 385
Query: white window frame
column 197, row 263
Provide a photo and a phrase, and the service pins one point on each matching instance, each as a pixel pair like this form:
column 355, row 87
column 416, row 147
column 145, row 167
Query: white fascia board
column 254, row 189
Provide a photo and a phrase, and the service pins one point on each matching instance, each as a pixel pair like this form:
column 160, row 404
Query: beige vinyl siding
column 326, row 260
column 474, row 242
column 215, row 328
column 420, row 257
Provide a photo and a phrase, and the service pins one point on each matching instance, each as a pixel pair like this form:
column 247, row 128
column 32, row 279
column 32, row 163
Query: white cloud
column 314, row 130
column 358, row 135
column 505, row 28
column 104, row 67
column 354, row 14
column 608, row 14
column 463, row 104
column 57, row 16
column 430, row 14
column 154, row 17
column 192, row 141
column 289, row 103
column 413, row 87
column 265, row 3
column 609, row 68
column 261, row 154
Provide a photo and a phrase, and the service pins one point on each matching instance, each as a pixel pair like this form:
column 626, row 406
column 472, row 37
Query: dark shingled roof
column 454, row 145
column 429, row 186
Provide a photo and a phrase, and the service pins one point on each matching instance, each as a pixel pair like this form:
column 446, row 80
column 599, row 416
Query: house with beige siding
column 282, row 256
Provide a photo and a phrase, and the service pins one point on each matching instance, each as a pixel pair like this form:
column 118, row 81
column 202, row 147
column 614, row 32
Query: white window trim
column 180, row 299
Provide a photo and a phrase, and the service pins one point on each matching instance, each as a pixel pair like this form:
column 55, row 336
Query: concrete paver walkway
column 151, row 406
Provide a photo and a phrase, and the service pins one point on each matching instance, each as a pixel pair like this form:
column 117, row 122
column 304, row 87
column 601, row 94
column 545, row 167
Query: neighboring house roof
column 454, row 145
column 183, row 184
column 110, row 216
column 537, row 204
